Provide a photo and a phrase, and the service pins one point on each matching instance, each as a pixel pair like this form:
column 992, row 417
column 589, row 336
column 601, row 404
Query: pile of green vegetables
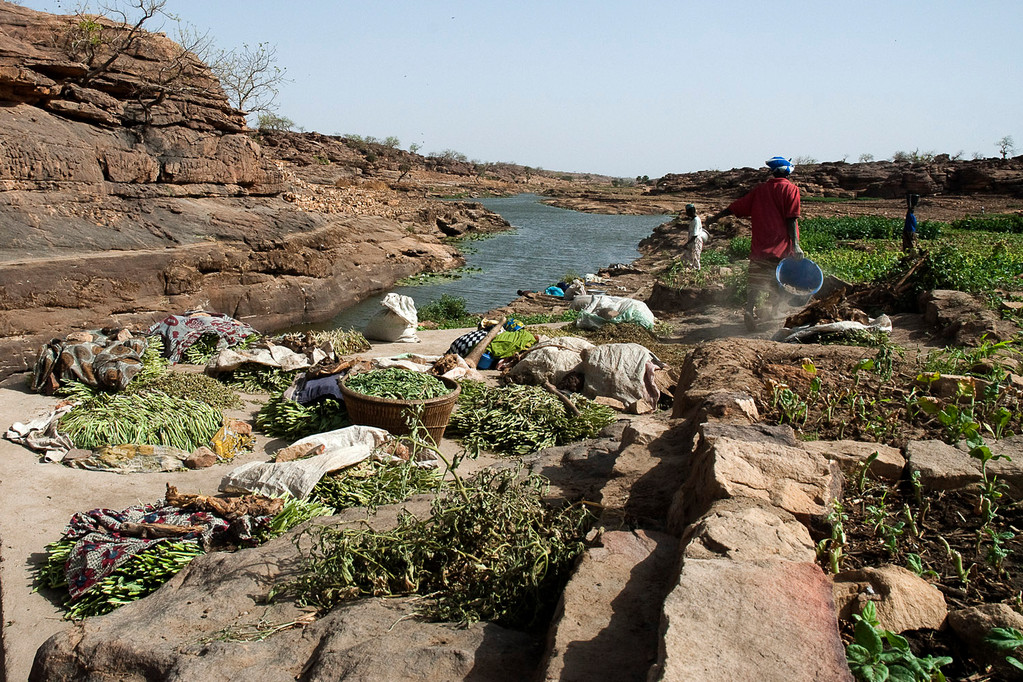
column 517, row 420
column 156, row 408
column 255, row 378
column 396, row 383
column 148, row 570
column 373, row 484
column 189, row 386
column 141, row 575
column 287, row 419
column 490, row 550
column 149, row 418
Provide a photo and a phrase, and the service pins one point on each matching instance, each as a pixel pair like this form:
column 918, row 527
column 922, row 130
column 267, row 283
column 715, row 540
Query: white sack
column 397, row 322
column 273, row 356
column 604, row 309
column 575, row 289
column 343, row 448
column 810, row 333
column 551, row 360
column 623, row 371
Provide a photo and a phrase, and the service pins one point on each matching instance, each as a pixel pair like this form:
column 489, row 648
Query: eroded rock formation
column 135, row 190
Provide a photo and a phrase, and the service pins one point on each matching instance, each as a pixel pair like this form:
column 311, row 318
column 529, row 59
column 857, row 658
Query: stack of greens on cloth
column 102, row 564
column 153, row 410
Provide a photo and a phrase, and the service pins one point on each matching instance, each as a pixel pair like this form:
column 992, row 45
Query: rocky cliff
column 882, row 179
column 130, row 188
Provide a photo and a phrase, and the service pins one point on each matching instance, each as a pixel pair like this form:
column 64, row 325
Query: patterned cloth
column 100, row 549
column 102, row 362
column 179, row 332
column 464, row 344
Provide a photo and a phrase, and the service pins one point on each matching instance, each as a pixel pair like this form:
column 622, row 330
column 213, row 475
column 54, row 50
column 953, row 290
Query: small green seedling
column 877, row 654
column 1006, row 639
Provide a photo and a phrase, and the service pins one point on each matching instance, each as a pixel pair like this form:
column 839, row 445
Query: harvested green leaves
column 256, row 378
column 493, row 551
column 191, row 386
column 282, row 418
column 292, row 514
column 141, row 575
column 373, row 484
column 517, row 420
column 152, row 418
column 396, row 383
column 343, row 342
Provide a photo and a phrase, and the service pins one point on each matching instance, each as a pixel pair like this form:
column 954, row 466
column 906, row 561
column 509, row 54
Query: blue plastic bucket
column 802, row 277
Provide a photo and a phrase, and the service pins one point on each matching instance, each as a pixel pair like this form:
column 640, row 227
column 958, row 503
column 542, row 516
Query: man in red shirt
column 773, row 208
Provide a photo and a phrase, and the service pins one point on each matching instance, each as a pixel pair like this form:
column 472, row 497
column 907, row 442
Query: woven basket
column 392, row 415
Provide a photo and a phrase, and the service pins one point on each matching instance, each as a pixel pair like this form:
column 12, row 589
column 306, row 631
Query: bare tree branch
column 250, row 76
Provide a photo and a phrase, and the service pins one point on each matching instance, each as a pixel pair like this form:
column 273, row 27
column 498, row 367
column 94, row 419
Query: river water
column 546, row 244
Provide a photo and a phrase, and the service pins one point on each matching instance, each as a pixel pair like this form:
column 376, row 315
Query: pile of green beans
column 517, row 420
column 283, row 418
column 152, row 418
column 396, row 383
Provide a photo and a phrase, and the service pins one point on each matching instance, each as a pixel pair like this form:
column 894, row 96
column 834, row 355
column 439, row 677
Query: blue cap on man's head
column 780, row 164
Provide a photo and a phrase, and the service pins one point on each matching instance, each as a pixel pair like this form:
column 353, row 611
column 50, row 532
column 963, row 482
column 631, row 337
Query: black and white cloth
column 464, row 344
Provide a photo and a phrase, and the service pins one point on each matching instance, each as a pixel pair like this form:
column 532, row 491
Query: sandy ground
column 37, row 499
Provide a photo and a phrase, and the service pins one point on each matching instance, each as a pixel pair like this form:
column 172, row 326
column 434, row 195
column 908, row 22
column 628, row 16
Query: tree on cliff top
column 250, row 76
column 1006, row 146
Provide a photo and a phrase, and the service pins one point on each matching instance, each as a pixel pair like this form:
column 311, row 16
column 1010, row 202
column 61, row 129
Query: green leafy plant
column 915, row 563
column 878, row 654
column 448, row 312
column 833, row 548
column 1007, row 639
column 490, row 550
column 518, row 419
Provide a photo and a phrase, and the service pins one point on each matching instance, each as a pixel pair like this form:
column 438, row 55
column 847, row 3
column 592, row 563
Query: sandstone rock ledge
column 126, row 195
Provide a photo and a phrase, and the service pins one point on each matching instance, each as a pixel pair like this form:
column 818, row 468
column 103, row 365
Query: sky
column 640, row 88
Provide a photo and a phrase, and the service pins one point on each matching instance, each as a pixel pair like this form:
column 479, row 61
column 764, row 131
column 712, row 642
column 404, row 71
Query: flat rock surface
column 739, row 620
column 942, row 466
column 606, row 626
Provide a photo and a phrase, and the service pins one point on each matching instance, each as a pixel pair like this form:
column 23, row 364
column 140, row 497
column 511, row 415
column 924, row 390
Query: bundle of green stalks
column 490, row 550
column 141, row 575
column 148, row 570
column 517, row 420
column 373, row 484
column 149, row 418
column 287, row 419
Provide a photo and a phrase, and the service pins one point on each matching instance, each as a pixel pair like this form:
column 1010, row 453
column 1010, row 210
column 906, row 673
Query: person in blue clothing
column 909, row 228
